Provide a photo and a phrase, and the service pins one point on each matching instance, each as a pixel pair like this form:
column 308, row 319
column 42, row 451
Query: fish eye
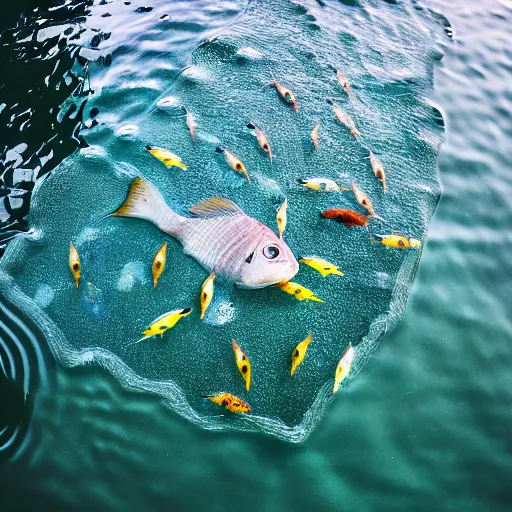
column 271, row 252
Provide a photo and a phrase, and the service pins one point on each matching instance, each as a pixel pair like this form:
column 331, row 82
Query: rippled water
column 424, row 426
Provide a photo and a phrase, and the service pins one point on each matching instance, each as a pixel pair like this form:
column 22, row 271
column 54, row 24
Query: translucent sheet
column 387, row 52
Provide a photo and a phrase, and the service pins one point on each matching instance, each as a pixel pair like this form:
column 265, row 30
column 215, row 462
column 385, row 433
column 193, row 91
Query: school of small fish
column 237, row 248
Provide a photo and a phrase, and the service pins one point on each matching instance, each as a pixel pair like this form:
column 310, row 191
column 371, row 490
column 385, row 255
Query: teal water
column 424, row 425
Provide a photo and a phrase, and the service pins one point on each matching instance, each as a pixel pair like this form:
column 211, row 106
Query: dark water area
column 426, row 423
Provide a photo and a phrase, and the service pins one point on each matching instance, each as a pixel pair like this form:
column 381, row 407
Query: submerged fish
column 165, row 322
column 243, row 365
column 378, row 170
column 230, row 402
column 299, row 352
column 262, row 140
column 345, row 119
column 159, row 263
column 168, row 158
column 363, row 199
column 282, row 218
column 343, row 367
column 324, row 267
column 284, row 92
column 298, row 291
column 191, row 125
column 397, row 241
column 314, row 135
column 221, row 237
column 324, row 184
column 207, row 293
column 343, row 81
column 350, row 218
column 74, row 263
column 234, row 162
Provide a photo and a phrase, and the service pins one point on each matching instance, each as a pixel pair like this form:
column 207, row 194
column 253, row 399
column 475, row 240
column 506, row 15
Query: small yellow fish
column 343, row 367
column 243, row 364
column 299, row 353
column 191, row 125
column 314, row 135
column 363, row 199
column 281, row 218
column 298, row 291
column 397, row 241
column 234, row 162
column 168, row 158
column 207, row 293
column 323, row 184
column 74, row 263
column 159, row 263
column 324, row 267
column 262, row 140
column 343, row 82
column 378, row 170
column 230, row 402
column 165, row 322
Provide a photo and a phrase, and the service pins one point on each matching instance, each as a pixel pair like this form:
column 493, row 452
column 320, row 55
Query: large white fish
column 221, row 237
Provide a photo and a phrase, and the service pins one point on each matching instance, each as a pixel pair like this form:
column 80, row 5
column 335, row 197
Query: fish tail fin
column 138, row 341
column 181, row 165
column 355, row 132
column 219, row 149
column 144, row 201
column 315, row 299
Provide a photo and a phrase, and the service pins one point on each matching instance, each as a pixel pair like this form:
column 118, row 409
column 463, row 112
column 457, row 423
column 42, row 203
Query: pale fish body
column 378, row 170
column 282, row 218
column 207, row 293
column 262, row 140
column 343, row 81
column 343, row 367
column 165, row 156
column 363, row 199
column 191, row 125
column 314, row 135
column 243, row 364
column 345, row 119
column 159, row 263
column 165, row 322
column 299, row 353
column 221, row 237
column 298, row 291
column 324, row 267
column 324, row 184
column 74, row 263
column 284, row 92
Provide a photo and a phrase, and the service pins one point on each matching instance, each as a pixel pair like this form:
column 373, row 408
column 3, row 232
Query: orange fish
column 262, row 140
column 284, row 92
column 234, row 162
column 350, row 218
column 230, row 402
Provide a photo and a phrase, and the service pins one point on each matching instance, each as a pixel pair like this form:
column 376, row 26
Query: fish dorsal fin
column 216, row 207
